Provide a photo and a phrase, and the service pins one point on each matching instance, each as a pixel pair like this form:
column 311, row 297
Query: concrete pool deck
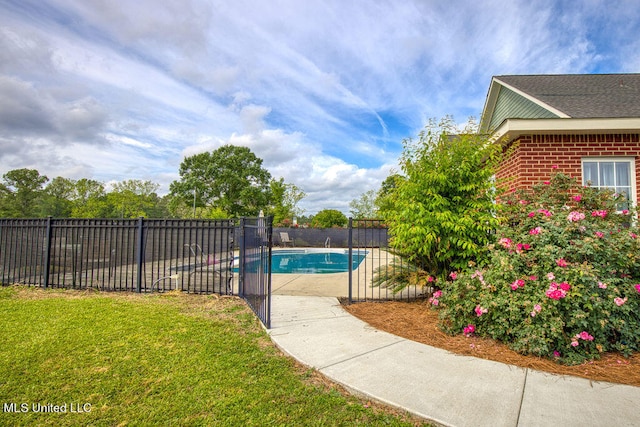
column 331, row 284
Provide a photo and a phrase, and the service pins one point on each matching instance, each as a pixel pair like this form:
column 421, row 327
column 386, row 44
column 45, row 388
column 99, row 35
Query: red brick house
column 584, row 125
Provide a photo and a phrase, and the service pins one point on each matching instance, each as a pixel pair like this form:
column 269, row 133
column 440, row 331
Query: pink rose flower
column 430, row 279
column 551, row 276
column 637, row 287
column 535, row 231
column 453, row 275
column 469, row 329
column 577, row 198
column 480, row 310
column 434, row 297
column 574, row 343
column 554, row 294
column 532, row 214
column 602, row 285
column 625, row 212
column 575, row 216
column 517, row 284
column 561, row 262
column 505, row 242
column 584, row 335
column 556, row 291
column 478, row 275
column 599, row 234
column 536, row 309
column 620, row 301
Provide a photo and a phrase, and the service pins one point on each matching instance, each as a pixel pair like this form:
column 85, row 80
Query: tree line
column 226, row 183
column 229, row 182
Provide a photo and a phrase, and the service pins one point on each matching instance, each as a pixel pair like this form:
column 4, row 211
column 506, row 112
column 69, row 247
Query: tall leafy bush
column 441, row 213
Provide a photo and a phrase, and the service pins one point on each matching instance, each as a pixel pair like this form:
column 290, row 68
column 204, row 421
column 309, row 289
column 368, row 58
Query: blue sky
column 323, row 91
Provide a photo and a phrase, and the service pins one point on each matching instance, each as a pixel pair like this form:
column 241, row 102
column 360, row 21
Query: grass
column 170, row 359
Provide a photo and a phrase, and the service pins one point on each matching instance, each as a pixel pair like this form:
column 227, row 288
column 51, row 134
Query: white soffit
column 513, row 128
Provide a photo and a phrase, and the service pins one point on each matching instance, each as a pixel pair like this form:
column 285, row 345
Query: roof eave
column 511, row 129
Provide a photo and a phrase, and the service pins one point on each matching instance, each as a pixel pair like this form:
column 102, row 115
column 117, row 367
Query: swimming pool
column 314, row 261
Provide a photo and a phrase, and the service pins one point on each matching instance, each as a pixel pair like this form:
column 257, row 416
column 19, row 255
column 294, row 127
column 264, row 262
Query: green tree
column 285, row 198
column 57, row 200
column 90, row 200
column 328, row 218
column 21, row 192
column 230, row 179
column 442, row 213
column 384, row 198
column 364, row 206
column 133, row 198
column 177, row 208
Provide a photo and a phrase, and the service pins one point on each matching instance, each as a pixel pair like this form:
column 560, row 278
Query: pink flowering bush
column 573, row 294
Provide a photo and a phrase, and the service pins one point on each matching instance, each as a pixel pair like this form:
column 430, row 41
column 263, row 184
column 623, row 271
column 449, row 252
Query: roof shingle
column 583, row 95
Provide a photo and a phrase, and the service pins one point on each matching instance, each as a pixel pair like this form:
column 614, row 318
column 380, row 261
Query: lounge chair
column 284, row 238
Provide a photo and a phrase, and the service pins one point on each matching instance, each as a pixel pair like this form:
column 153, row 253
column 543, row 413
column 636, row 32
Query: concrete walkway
column 443, row 387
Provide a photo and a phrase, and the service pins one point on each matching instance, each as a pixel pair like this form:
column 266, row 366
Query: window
column 615, row 174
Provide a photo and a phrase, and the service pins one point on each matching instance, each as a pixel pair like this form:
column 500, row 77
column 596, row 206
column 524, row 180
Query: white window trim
column 632, row 170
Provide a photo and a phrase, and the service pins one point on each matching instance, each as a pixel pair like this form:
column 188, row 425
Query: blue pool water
column 314, row 261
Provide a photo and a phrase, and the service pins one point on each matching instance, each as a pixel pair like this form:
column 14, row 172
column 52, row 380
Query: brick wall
column 531, row 159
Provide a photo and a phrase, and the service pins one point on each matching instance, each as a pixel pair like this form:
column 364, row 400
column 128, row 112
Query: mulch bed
column 418, row 322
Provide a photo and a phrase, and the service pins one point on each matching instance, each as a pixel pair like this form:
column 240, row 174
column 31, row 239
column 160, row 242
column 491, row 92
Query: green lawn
column 171, row 359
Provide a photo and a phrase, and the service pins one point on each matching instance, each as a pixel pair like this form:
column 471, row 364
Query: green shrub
column 328, row 218
column 440, row 213
column 563, row 277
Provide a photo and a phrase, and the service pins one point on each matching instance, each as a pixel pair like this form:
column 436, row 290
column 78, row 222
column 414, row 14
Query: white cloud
column 323, row 91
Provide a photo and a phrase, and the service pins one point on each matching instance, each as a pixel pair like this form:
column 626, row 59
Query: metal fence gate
column 373, row 277
column 255, row 241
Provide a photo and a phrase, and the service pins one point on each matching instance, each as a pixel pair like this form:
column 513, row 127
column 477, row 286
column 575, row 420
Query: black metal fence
column 379, row 272
column 141, row 255
column 147, row 255
column 255, row 241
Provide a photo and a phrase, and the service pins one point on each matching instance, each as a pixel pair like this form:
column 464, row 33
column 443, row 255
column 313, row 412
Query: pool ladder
column 327, row 243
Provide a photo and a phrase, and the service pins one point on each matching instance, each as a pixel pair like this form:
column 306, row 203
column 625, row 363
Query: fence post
column 269, row 231
column 47, row 253
column 241, row 259
column 140, row 255
column 350, row 261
